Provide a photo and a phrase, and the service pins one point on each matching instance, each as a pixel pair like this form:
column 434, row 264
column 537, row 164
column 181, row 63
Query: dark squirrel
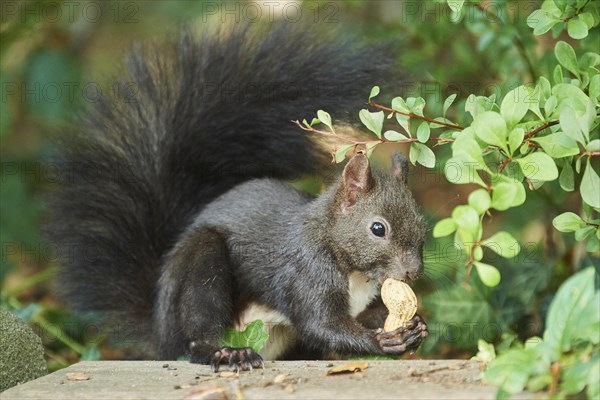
column 182, row 226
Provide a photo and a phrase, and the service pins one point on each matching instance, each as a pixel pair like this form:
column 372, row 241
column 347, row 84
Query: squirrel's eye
column 378, row 229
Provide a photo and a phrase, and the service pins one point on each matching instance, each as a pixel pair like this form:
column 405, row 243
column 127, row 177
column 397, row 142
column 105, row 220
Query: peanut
column 401, row 302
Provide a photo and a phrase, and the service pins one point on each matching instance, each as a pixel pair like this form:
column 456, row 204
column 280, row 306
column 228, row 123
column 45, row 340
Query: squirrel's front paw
column 406, row 338
column 238, row 359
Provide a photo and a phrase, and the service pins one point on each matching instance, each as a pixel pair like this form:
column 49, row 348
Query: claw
column 403, row 339
column 237, row 359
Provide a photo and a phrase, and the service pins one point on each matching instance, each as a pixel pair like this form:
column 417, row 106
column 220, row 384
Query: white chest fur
column 362, row 291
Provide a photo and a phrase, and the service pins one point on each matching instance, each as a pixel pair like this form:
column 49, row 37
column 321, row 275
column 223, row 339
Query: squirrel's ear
column 356, row 180
column 400, row 167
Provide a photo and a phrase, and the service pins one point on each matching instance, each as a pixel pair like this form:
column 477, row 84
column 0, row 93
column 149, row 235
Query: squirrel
column 179, row 219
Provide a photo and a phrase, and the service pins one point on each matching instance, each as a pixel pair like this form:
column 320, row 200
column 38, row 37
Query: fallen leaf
column 349, row 367
column 289, row 388
column 280, row 378
column 77, row 376
column 207, row 392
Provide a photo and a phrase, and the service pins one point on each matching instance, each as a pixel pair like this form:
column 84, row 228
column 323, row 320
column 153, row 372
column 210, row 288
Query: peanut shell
column 401, row 302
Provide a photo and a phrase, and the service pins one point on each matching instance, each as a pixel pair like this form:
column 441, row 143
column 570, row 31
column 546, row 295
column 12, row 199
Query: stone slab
column 406, row 379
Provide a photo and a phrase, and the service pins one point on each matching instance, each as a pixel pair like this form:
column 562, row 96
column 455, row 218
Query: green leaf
column 434, row 125
column 550, row 105
column 557, row 145
column 588, row 19
column 544, row 87
column 538, row 166
column 416, row 105
column 570, row 126
column 573, row 311
column 558, row 75
column 539, row 382
column 466, row 217
column 550, row 7
column 399, row 104
column 566, row 57
column 374, row 92
column 488, row 274
column 593, row 145
column 577, row 29
column 448, row 102
column 593, row 385
column 480, row 200
column 325, row 118
column 253, row 336
column 594, row 88
column 466, row 145
column 477, row 253
column 515, row 138
column 423, row 132
column 511, row 370
column 422, row 154
column 340, row 154
column 534, row 96
column 503, row 244
column 444, row 227
column 372, row 120
column 514, row 105
column 590, row 186
column 588, row 60
column 491, row 128
column 475, row 105
column 541, row 22
column 404, row 122
column 486, row 352
column 567, row 178
column 394, row 136
column 455, row 5
column 570, row 96
column 461, row 170
column 575, row 376
column 583, row 233
column 593, row 242
column 370, row 147
column 507, row 194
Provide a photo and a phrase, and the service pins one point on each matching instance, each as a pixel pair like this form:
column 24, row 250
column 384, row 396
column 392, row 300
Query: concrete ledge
column 410, row 379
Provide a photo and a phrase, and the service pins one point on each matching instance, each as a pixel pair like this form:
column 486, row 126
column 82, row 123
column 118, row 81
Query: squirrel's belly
column 277, row 325
column 281, row 335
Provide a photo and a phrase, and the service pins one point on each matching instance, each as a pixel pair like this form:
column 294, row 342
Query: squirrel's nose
column 409, row 266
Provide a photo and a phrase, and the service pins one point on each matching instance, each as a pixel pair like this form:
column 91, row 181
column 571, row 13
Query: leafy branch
column 416, row 116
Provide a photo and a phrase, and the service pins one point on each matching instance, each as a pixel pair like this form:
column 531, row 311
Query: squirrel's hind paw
column 244, row 359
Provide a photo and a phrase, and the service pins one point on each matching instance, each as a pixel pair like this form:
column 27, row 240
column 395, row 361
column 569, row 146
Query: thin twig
column 413, row 115
column 503, row 165
column 540, row 128
column 358, row 142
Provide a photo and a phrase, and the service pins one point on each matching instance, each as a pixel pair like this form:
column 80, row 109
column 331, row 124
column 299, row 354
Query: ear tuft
column 400, row 167
column 356, row 179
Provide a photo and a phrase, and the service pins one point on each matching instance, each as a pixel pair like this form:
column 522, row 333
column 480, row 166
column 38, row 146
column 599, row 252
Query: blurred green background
column 59, row 55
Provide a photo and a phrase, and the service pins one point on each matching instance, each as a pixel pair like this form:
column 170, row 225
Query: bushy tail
column 191, row 118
